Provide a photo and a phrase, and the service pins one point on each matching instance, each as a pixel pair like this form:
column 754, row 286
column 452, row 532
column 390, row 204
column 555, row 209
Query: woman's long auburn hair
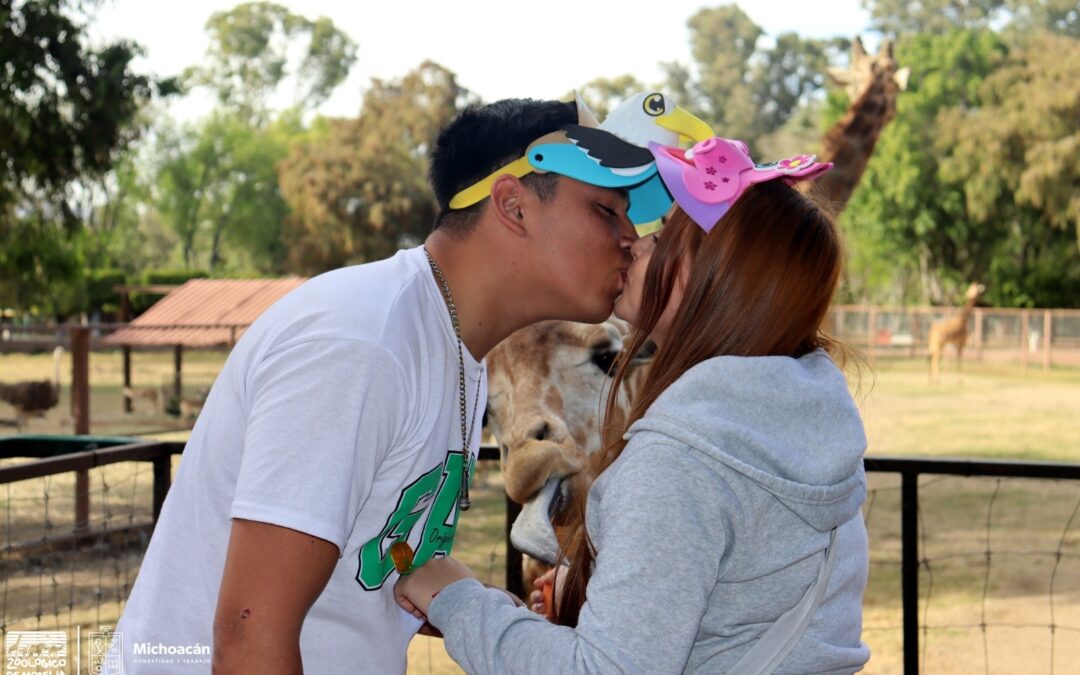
column 759, row 284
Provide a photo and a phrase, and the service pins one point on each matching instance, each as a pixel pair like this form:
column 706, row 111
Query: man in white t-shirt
column 339, row 424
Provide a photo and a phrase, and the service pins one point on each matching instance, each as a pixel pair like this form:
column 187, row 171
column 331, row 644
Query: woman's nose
column 640, row 246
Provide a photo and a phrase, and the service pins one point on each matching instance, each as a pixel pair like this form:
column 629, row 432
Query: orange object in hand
column 402, row 555
column 549, row 601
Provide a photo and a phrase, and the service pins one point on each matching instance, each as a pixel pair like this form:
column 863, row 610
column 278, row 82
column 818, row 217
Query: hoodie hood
column 788, row 425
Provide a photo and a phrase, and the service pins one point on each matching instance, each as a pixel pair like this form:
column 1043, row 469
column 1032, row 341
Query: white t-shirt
column 337, row 414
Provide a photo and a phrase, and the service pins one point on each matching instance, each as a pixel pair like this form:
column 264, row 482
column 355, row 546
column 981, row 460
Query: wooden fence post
column 978, row 333
column 162, row 480
column 178, row 361
column 80, row 378
column 871, row 329
column 80, row 392
column 125, row 316
column 1024, row 316
column 1048, row 337
column 914, row 331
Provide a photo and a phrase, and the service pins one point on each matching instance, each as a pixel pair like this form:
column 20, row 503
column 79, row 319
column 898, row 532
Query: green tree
column 216, row 183
column 604, row 93
column 745, row 89
column 356, row 188
column 902, row 17
column 248, row 60
column 67, row 110
column 1017, row 159
column 217, row 189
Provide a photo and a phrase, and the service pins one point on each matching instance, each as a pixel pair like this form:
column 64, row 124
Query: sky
column 497, row 48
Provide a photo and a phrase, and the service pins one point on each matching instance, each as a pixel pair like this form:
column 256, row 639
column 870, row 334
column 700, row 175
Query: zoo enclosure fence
column 1045, row 337
column 158, row 386
column 35, row 552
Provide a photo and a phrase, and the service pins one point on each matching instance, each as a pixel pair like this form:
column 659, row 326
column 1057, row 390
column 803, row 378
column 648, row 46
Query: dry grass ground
column 990, row 411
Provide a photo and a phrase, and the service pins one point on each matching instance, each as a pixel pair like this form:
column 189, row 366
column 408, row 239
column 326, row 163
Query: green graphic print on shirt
column 431, row 497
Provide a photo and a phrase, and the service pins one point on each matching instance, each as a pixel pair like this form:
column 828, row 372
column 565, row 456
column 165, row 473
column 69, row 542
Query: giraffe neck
column 850, row 142
column 969, row 307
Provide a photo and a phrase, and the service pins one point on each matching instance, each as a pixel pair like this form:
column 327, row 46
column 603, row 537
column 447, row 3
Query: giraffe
column 952, row 329
column 872, row 83
column 547, row 388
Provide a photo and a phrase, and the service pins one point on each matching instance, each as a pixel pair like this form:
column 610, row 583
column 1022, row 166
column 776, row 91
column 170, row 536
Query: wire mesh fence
column 998, row 575
column 72, row 544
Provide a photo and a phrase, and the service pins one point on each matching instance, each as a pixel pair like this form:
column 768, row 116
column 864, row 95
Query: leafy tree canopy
column 356, row 188
column 67, row 111
column 248, row 60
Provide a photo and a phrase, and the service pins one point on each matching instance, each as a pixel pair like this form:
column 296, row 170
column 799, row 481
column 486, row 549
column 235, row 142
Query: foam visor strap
column 480, row 190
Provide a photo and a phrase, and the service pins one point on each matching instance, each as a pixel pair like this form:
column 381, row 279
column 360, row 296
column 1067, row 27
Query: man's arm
column 272, row 577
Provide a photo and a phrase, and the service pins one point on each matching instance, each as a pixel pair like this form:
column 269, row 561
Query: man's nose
column 627, row 233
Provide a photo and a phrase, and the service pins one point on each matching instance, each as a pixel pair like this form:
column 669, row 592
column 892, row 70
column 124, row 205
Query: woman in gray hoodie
column 723, row 531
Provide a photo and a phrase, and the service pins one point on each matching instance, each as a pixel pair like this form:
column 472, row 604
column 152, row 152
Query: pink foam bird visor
column 707, row 179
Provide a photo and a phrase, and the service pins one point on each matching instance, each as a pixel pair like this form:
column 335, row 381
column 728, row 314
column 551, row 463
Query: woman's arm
column 661, row 538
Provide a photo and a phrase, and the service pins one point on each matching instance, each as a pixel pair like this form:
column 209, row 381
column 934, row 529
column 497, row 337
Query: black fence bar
column 909, row 567
column 162, row 482
column 974, row 467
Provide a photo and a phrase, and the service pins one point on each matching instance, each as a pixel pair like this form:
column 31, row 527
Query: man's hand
column 273, row 575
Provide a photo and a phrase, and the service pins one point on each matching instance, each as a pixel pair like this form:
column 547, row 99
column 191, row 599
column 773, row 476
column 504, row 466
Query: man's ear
column 509, row 199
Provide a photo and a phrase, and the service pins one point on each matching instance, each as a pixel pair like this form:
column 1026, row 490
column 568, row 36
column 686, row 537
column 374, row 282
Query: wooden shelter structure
column 200, row 314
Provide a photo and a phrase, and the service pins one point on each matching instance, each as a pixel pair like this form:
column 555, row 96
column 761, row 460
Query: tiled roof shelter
column 204, row 313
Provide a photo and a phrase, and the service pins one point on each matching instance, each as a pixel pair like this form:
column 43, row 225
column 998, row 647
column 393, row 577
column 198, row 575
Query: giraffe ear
column 857, row 49
column 901, row 78
column 840, row 76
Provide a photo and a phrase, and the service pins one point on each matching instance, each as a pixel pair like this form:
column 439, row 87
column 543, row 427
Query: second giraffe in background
column 952, row 329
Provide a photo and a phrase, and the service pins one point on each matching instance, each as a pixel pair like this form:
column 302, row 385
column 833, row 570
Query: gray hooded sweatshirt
column 711, row 524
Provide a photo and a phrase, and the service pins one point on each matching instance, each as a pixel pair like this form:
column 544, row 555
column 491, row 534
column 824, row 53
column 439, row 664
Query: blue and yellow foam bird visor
column 594, row 156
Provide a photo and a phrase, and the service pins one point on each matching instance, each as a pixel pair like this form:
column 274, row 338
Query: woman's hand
column 542, row 600
column 415, row 590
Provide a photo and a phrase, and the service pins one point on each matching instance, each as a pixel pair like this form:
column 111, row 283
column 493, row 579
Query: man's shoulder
column 358, row 302
column 372, row 286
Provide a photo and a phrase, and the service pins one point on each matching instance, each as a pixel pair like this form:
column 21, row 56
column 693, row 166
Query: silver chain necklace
column 463, row 497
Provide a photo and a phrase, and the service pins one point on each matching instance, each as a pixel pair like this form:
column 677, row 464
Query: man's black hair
column 484, row 138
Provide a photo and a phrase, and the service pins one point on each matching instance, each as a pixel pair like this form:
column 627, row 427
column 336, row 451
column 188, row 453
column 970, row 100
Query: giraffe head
column 547, row 388
column 872, row 80
column 974, row 291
